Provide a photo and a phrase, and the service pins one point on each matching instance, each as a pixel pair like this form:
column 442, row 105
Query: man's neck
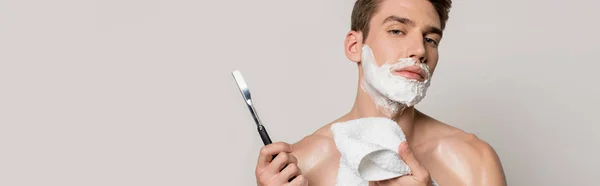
column 364, row 106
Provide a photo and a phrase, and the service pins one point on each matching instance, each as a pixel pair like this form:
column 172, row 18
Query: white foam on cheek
column 391, row 93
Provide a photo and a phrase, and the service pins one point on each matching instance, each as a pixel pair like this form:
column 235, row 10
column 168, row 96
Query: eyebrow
column 433, row 30
column 398, row 19
column 403, row 20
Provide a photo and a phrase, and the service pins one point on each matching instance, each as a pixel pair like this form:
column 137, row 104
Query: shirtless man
column 393, row 29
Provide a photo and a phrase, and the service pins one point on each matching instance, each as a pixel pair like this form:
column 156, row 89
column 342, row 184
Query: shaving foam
column 392, row 93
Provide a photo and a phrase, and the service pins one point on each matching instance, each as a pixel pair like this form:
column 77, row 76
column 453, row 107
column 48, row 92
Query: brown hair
column 364, row 9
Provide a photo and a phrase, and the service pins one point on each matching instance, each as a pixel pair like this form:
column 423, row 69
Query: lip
column 411, row 72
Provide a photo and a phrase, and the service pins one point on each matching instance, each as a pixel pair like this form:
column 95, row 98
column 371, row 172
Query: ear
column 353, row 46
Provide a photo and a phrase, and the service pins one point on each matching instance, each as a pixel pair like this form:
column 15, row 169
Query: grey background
column 138, row 92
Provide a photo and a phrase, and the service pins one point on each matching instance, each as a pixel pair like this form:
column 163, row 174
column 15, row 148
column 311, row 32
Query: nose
column 416, row 49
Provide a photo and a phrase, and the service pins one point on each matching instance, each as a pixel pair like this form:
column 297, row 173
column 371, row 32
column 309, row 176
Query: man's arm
column 491, row 169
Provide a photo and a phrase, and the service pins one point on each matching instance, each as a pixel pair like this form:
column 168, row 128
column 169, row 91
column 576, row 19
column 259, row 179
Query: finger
column 300, row 180
column 279, row 162
column 290, row 159
column 289, row 172
column 409, row 158
column 267, row 152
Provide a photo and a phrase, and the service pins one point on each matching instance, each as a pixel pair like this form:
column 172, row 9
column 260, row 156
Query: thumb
column 407, row 155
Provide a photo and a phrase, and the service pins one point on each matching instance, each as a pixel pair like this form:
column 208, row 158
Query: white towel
column 369, row 151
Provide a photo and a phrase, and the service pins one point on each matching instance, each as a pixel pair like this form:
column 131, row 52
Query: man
column 384, row 31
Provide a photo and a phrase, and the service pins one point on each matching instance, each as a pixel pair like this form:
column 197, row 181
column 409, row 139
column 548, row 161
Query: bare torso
column 452, row 156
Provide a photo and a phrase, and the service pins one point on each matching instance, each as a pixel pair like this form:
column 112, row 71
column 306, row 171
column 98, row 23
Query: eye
column 395, row 32
column 430, row 41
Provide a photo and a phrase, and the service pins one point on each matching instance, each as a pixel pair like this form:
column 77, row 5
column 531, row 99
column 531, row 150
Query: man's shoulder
column 441, row 136
column 316, row 153
column 465, row 144
column 462, row 151
column 318, row 143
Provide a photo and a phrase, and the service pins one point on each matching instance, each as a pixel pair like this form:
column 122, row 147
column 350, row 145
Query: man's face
column 405, row 29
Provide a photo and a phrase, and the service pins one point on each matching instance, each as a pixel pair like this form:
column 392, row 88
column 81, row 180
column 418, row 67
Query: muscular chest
column 320, row 170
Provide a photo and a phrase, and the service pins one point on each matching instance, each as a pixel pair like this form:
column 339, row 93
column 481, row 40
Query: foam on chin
column 391, row 93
